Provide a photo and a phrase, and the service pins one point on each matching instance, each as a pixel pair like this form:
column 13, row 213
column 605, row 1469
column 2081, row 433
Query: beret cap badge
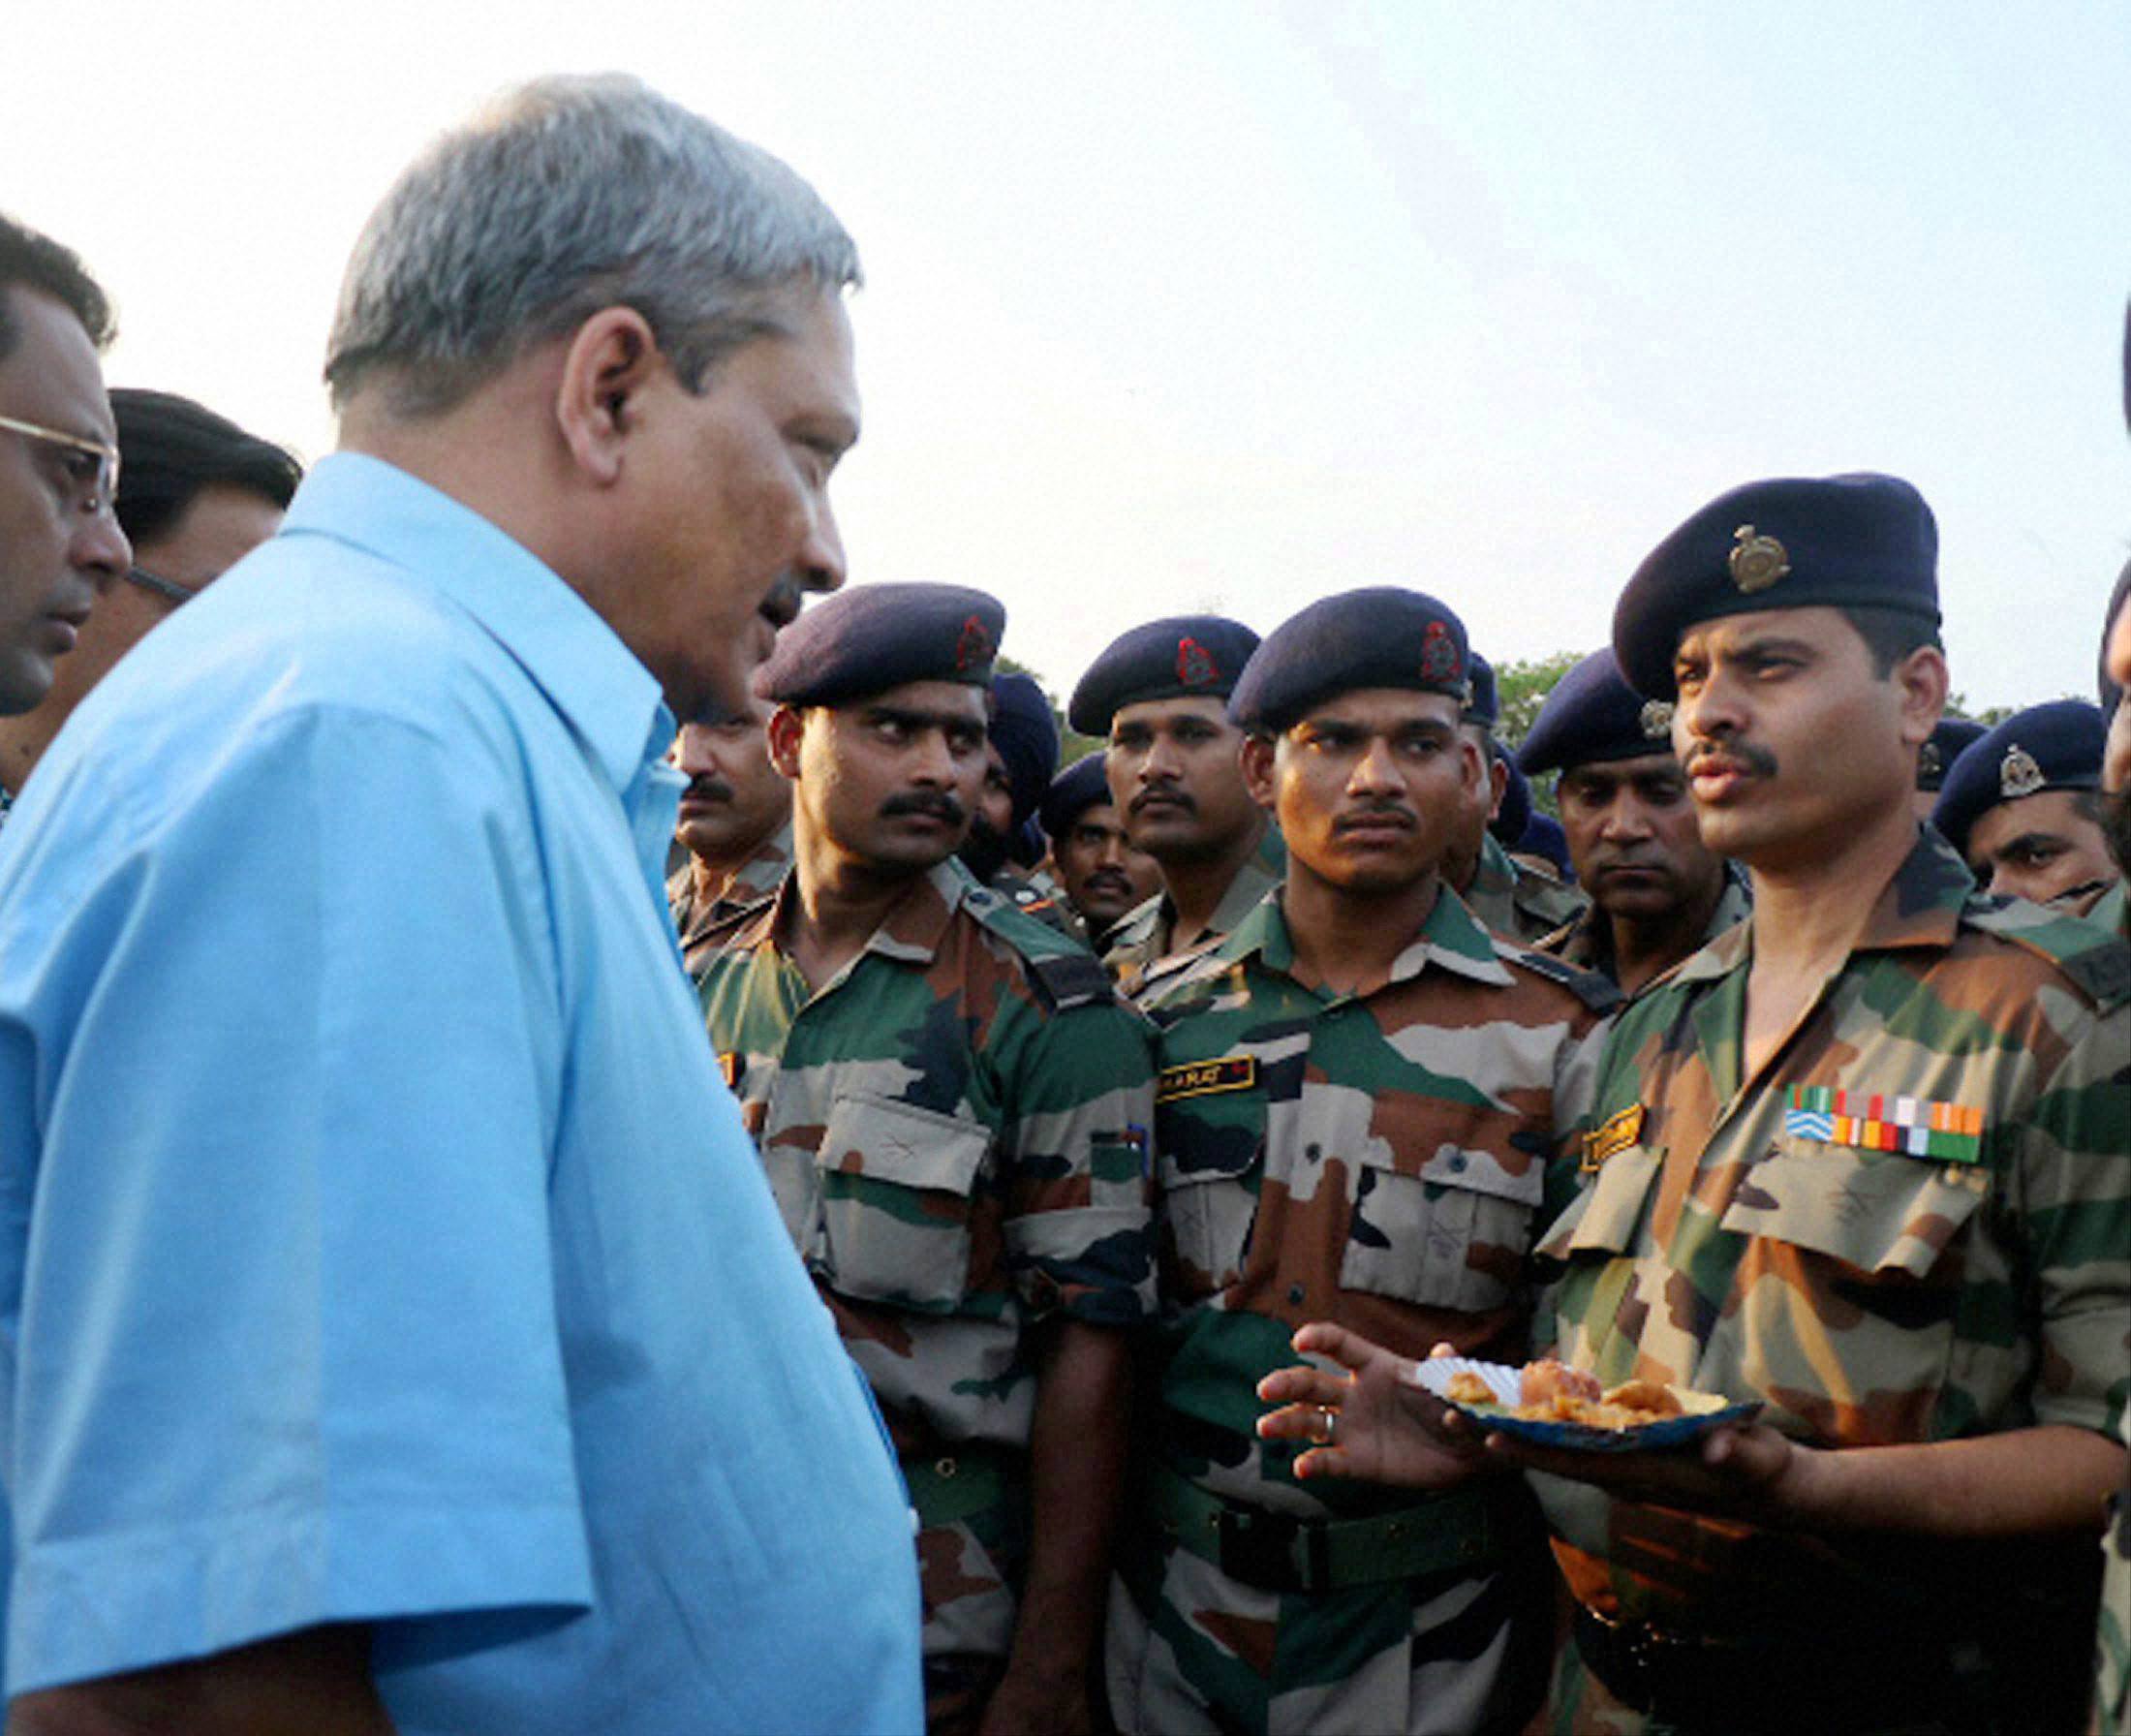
column 1196, row 664
column 974, row 646
column 1438, row 654
column 1756, row 562
column 2019, row 774
column 1657, row 720
column 1929, row 763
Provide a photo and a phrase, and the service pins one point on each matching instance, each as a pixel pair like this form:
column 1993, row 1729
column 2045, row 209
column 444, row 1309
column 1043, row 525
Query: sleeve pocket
column 896, row 1182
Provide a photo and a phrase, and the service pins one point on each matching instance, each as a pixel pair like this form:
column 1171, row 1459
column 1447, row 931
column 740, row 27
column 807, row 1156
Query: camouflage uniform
column 1034, row 894
column 955, row 1129
column 1142, row 953
column 1516, row 900
column 1774, row 1239
column 754, row 880
column 1587, row 942
column 1380, row 1162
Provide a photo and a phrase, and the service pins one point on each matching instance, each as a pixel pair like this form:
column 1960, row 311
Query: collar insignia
column 1757, row 562
column 2017, row 773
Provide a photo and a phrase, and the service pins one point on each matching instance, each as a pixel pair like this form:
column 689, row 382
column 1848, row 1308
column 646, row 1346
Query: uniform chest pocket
column 1453, row 1235
column 1602, row 1219
column 896, row 1182
column 1210, row 1150
column 1883, row 1213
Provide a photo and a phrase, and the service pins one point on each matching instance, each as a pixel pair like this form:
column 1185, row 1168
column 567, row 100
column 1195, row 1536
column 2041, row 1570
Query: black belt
column 1783, row 1683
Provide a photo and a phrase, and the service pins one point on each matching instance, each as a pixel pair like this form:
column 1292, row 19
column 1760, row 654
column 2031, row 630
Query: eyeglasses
column 161, row 586
column 92, row 468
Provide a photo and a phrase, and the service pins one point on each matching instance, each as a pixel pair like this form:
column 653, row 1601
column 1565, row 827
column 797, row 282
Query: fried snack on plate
column 1468, row 1389
column 1545, row 1383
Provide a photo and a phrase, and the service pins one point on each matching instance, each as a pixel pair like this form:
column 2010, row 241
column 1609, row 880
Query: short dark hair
column 171, row 447
column 35, row 261
column 1890, row 634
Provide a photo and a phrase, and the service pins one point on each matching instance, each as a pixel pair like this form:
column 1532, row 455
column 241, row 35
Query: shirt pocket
column 1883, row 1213
column 1210, row 1161
column 1453, row 1235
column 1602, row 1220
column 896, row 1186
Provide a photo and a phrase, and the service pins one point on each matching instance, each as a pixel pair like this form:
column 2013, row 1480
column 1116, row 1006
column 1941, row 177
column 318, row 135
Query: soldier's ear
column 785, row 729
column 1921, row 680
column 1258, row 754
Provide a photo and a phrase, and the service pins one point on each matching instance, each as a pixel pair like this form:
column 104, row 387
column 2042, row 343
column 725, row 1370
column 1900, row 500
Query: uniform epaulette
column 1598, row 993
column 1063, row 974
column 2097, row 961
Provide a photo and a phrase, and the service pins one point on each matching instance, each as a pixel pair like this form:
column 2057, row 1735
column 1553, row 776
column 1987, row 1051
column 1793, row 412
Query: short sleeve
column 285, row 1052
column 1078, row 1193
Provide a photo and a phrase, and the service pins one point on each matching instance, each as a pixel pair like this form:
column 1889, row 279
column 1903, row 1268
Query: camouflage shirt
column 955, row 1129
column 1035, row 894
column 1516, row 900
column 1587, row 942
column 1143, row 952
column 754, row 880
column 1379, row 1160
column 1915, row 1225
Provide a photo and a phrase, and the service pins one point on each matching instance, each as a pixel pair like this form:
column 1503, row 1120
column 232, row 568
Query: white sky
column 1190, row 306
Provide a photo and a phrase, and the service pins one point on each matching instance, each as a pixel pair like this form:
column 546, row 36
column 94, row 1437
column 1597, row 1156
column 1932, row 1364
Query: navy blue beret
column 1026, row 736
column 1185, row 657
column 2055, row 746
column 1485, row 706
column 864, row 642
column 1593, row 716
column 2111, row 693
column 1380, row 637
column 1840, row 542
column 1544, row 837
column 1508, row 825
column 1948, row 741
column 1081, row 786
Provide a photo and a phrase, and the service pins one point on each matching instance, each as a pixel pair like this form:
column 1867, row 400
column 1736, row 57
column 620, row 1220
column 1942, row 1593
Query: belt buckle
column 1258, row 1548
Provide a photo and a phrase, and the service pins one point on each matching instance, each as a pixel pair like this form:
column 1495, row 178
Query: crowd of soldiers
column 1763, row 1091
column 1144, row 1127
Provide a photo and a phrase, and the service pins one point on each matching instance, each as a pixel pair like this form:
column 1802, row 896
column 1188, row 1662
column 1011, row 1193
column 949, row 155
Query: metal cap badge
column 2019, row 774
column 1657, row 720
column 1757, row 562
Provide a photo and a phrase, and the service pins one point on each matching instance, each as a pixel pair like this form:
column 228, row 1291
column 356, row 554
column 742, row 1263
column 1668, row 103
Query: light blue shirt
column 377, row 1242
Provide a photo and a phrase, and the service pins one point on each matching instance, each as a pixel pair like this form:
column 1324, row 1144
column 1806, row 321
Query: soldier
column 1657, row 891
column 1160, row 694
column 1514, row 899
column 1020, row 755
column 953, row 1109
column 1949, row 738
column 735, row 824
column 1860, row 1161
column 1360, row 1094
column 2113, row 1637
column 2023, row 806
column 1103, row 877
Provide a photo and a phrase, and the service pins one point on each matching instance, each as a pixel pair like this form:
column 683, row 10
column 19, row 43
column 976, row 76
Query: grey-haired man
column 401, row 1334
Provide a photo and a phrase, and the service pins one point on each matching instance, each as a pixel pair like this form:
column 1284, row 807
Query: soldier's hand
column 1369, row 1421
column 1742, row 1469
column 1029, row 1702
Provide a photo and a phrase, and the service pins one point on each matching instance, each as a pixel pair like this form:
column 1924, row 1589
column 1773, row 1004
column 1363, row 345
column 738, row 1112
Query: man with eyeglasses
column 59, row 543
column 198, row 494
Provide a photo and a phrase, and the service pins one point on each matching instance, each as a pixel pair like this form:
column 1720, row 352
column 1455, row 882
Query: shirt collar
column 1920, row 906
column 910, row 932
column 575, row 658
column 1451, row 938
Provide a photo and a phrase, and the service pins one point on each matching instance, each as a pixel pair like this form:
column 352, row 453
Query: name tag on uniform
column 1615, row 1133
column 1203, row 1078
column 1916, row 1127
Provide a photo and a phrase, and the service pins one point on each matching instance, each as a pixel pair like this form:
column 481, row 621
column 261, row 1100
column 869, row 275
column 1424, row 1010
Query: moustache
column 1162, row 792
column 1375, row 814
column 1757, row 760
column 1108, row 880
column 707, row 790
column 780, row 606
column 924, row 803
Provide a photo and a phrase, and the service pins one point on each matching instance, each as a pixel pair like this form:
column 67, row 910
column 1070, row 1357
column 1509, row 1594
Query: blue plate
column 1435, row 1376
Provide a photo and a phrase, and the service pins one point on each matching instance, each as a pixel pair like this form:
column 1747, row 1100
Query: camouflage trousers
column 971, row 1551
column 1191, row 1650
